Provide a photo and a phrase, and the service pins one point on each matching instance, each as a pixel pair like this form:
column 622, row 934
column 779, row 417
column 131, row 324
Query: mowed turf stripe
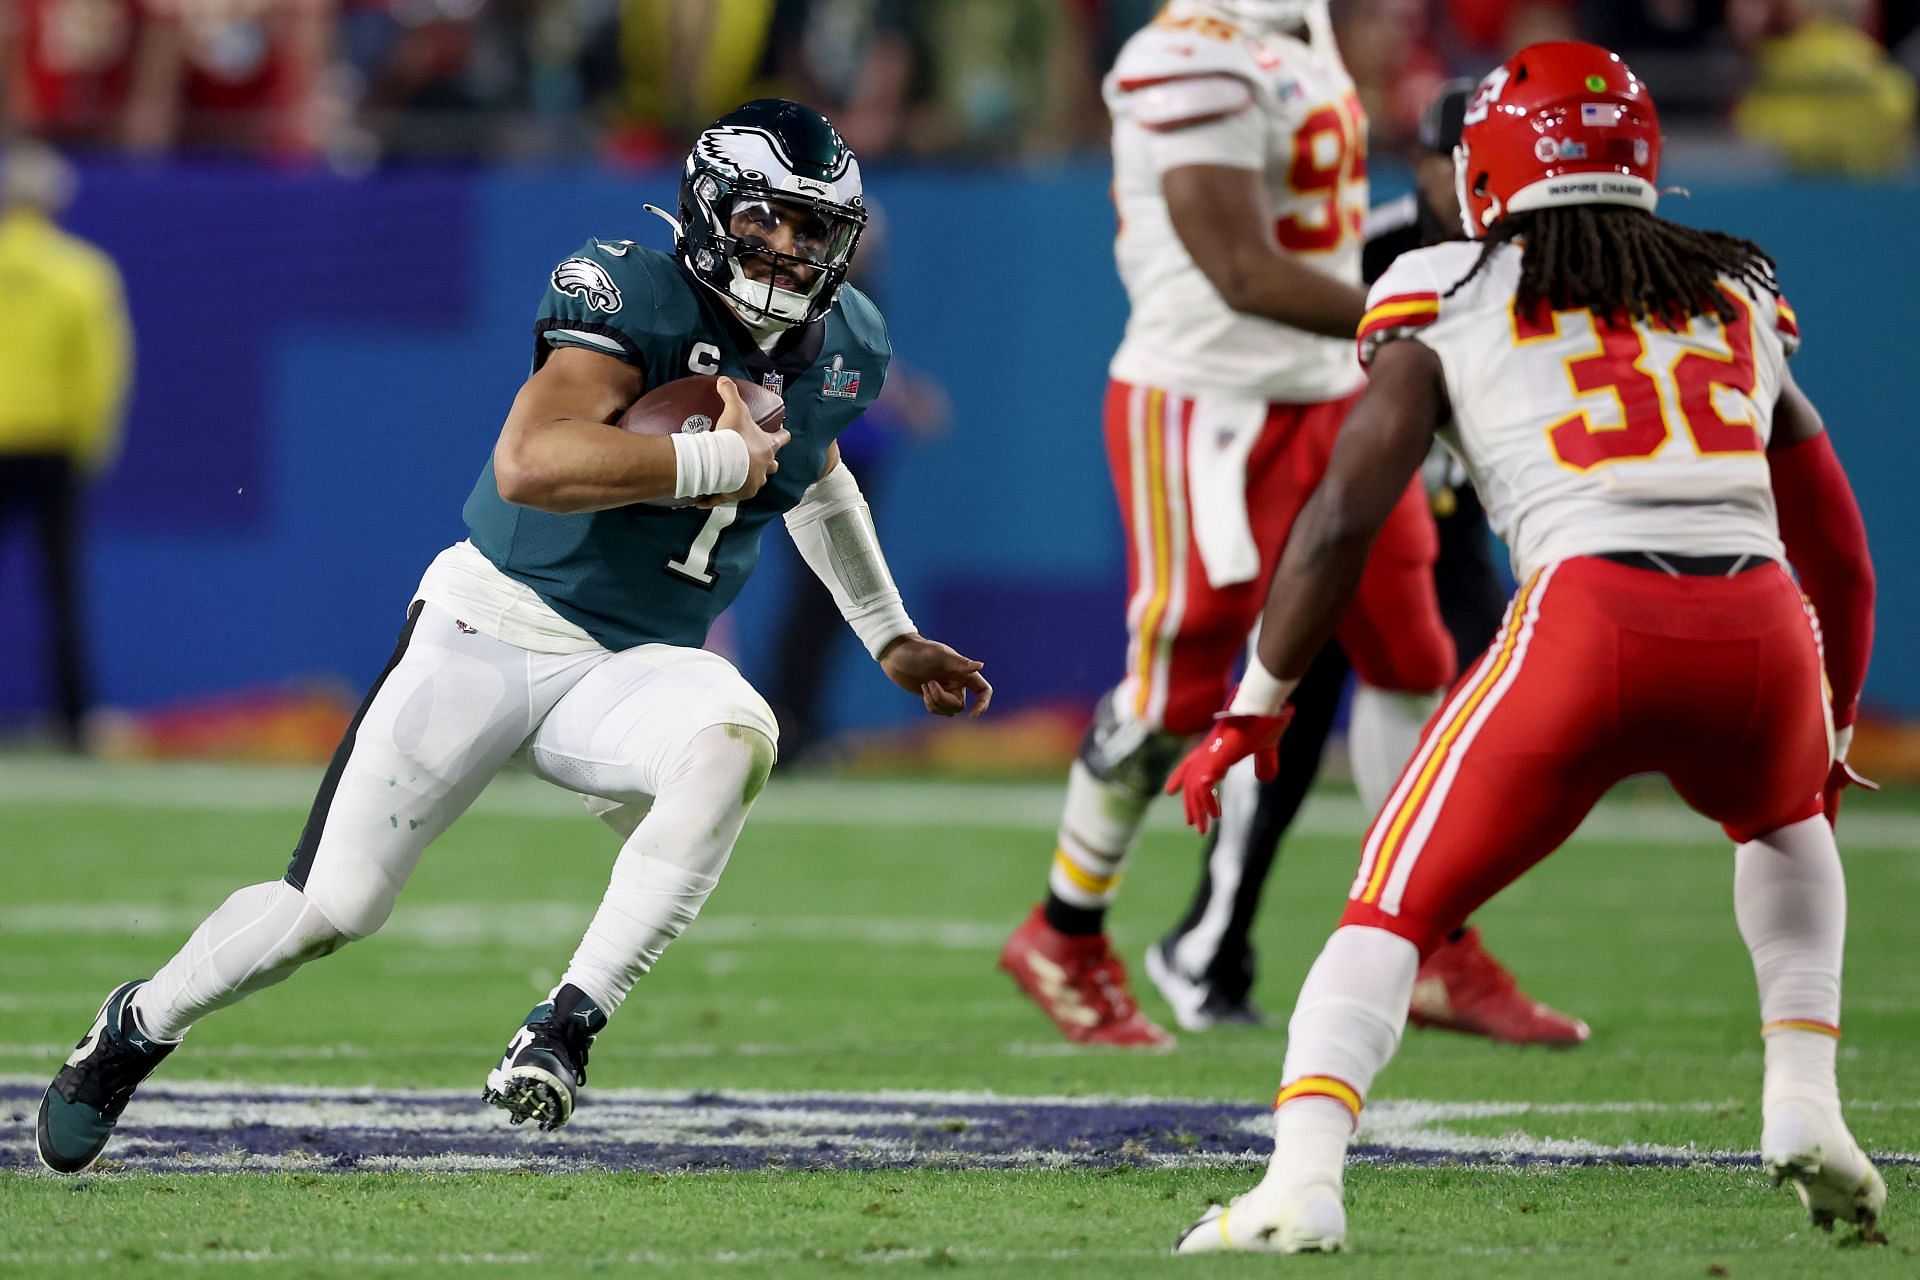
column 240, row 1128
column 1631, row 819
column 577, row 1258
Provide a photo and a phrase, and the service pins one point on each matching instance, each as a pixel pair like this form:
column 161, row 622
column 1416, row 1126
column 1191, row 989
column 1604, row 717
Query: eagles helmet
column 770, row 171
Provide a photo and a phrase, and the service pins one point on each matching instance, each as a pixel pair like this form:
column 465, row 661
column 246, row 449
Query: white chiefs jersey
column 1192, row 89
column 1586, row 438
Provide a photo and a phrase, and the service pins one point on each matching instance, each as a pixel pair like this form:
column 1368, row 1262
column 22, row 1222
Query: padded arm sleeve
column 833, row 529
column 1827, row 544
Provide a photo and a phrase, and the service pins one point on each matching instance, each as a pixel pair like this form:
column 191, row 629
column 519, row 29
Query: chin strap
column 667, row 218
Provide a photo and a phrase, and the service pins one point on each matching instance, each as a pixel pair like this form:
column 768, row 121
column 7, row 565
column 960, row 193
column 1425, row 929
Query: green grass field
column 846, row 958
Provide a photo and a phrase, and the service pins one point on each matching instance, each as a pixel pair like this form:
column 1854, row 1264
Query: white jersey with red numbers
column 1586, row 438
column 1191, row 89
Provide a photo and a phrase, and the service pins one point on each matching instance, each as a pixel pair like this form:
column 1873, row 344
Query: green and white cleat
column 84, row 1102
column 545, row 1065
column 1808, row 1144
column 1308, row 1218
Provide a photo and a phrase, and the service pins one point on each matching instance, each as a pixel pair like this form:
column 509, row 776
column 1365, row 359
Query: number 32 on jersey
column 1624, row 366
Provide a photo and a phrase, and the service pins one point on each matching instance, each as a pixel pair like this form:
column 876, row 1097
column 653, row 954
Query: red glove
column 1233, row 739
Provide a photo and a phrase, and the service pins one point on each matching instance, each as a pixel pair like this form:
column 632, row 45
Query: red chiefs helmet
column 1559, row 123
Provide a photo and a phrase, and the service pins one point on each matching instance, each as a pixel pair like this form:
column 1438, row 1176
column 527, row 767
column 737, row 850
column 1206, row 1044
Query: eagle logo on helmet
column 587, row 280
column 779, row 154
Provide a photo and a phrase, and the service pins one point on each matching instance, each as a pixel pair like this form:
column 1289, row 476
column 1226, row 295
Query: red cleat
column 1081, row 984
column 1462, row 988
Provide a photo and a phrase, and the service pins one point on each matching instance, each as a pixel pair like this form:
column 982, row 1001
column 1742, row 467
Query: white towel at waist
column 1220, row 436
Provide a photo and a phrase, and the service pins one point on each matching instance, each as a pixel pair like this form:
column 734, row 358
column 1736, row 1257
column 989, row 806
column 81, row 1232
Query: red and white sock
column 1790, row 897
column 1346, row 1026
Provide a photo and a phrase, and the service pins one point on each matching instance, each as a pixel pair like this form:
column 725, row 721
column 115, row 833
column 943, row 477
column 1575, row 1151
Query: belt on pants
column 1686, row 566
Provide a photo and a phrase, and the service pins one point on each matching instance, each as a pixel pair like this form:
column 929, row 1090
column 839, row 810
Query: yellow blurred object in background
column 1829, row 99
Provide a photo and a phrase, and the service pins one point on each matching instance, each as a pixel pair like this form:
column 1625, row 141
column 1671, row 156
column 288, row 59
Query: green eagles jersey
column 657, row 575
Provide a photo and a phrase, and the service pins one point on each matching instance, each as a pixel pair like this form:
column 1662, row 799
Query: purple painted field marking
column 238, row 1128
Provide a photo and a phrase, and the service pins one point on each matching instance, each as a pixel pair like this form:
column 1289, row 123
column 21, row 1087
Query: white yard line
column 813, row 802
column 531, row 925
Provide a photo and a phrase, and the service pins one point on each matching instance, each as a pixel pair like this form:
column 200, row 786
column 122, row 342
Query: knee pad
column 1127, row 752
column 351, row 895
column 300, row 929
column 735, row 759
column 314, row 935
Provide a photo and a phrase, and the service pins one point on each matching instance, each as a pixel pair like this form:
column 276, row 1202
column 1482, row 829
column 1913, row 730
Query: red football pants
column 1600, row 672
column 1185, row 634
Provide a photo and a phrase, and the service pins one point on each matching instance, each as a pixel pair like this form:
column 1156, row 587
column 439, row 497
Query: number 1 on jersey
column 693, row 566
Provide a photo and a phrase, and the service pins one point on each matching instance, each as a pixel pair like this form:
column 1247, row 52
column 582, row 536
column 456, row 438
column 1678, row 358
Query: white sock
column 1346, row 1025
column 671, row 863
column 1790, row 897
column 1351, row 1010
column 1310, row 1137
column 1382, row 733
column 257, row 937
column 1099, row 827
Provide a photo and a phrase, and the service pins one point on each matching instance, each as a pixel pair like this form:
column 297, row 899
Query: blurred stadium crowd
column 1825, row 85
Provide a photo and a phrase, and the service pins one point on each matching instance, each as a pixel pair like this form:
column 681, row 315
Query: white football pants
column 452, row 708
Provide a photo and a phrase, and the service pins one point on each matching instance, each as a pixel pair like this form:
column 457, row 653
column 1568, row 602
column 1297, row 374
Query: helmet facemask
column 771, row 212
column 738, row 252
column 1477, row 209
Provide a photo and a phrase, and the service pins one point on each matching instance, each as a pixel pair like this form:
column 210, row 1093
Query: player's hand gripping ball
column 1232, row 739
column 693, row 404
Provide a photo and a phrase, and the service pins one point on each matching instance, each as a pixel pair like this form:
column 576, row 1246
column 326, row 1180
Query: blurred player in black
column 1205, row 966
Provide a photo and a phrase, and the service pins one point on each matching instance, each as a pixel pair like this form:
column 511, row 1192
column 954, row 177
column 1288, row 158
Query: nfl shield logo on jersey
column 774, row 382
column 841, row 382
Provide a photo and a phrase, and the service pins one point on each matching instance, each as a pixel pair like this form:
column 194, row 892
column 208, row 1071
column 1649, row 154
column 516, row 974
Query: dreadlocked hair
column 1614, row 260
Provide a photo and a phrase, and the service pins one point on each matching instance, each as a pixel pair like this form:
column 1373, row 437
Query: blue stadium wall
column 324, row 363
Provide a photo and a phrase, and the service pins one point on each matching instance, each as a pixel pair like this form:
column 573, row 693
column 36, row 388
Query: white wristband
column 709, row 462
column 1261, row 693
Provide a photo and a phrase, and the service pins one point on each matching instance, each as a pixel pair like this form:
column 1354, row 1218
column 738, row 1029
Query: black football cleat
column 1198, row 1005
column 84, row 1102
column 545, row 1065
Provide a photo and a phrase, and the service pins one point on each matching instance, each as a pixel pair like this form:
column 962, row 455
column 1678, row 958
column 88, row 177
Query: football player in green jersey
column 564, row 636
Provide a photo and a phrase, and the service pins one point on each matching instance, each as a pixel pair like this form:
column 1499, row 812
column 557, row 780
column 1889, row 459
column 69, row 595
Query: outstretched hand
column 942, row 677
column 1232, row 739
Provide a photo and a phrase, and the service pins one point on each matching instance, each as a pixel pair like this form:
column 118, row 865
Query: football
column 692, row 404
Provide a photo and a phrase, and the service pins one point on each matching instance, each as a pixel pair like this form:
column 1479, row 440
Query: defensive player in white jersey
column 1240, row 182
column 1617, row 385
